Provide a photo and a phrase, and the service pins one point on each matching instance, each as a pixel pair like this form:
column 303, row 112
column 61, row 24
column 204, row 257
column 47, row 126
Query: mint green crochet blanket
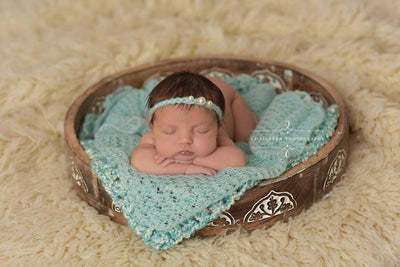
column 165, row 209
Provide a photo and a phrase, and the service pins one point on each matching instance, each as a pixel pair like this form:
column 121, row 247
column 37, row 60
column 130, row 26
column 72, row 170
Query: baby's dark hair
column 182, row 84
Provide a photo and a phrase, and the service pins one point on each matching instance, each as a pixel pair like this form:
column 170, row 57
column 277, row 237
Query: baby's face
column 185, row 134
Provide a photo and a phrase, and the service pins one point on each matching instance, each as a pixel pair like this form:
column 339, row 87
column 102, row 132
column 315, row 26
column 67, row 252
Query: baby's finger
column 208, row 172
column 159, row 160
column 166, row 162
column 184, row 161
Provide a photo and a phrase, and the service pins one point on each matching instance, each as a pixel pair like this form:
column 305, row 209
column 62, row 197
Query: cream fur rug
column 51, row 51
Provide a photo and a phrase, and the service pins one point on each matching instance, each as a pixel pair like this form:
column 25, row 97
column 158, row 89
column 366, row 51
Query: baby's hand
column 196, row 169
column 163, row 161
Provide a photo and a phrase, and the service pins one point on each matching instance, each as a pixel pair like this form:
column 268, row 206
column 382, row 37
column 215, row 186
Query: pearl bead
column 209, row 103
column 201, row 100
column 191, row 98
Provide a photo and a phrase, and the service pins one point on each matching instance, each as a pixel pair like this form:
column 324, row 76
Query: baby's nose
column 186, row 139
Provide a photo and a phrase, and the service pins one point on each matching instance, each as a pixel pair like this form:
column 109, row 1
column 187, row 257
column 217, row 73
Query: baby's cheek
column 207, row 147
column 164, row 149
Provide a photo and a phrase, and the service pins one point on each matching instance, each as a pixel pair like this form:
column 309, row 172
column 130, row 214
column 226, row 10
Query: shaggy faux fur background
column 51, row 51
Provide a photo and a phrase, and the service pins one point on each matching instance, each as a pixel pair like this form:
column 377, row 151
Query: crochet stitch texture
column 165, row 209
column 190, row 100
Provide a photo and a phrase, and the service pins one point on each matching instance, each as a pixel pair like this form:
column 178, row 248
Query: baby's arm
column 226, row 155
column 143, row 159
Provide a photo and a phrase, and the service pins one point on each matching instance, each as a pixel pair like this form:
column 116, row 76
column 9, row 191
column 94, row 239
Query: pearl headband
column 190, row 100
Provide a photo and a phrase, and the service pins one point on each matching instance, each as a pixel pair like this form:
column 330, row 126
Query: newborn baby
column 194, row 122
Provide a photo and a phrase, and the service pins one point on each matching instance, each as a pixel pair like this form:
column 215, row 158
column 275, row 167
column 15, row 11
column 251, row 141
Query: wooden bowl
column 271, row 200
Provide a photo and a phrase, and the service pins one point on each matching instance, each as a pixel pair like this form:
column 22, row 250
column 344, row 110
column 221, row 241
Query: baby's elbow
column 136, row 162
column 139, row 165
column 242, row 161
column 239, row 159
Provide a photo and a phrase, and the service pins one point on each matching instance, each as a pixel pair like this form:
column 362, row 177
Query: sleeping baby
column 194, row 122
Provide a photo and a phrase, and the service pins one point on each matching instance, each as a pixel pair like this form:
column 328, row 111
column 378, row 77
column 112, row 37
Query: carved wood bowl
column 272, row 199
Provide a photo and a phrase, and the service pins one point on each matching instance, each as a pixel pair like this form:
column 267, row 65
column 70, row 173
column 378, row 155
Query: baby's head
column 186, row 84
column 185, row 112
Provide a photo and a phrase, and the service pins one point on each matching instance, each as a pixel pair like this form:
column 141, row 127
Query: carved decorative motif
column 224, row 219
column 268, row 76
column 273, row 204
column 217, row 72
column 288, row 75
column 336, row 168
column 97, row 106
column 77, row 176
column 115, row 207
column 318, row 97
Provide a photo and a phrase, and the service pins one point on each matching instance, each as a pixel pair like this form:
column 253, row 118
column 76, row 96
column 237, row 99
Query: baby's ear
column 220, row 123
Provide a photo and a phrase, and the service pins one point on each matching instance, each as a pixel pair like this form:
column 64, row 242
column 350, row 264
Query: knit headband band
column 190, row 100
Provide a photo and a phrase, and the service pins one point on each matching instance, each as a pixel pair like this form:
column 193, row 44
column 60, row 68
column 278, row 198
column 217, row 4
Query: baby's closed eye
column 169, row 131
column 202, row 130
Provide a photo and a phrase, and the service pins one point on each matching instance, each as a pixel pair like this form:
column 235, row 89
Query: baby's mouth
column 185, row 153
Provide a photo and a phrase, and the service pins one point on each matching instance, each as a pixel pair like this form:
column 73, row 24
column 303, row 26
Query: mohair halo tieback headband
column 190, row 100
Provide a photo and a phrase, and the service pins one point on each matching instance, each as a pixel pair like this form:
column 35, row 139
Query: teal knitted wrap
column 165, row 209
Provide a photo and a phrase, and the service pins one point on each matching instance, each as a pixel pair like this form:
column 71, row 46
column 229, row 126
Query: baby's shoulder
column 223, row 138
column 147, row 138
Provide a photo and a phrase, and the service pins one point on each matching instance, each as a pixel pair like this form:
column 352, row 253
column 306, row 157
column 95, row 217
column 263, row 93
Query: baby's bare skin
column 146, row 158
column 239, row 120
column 238, row 124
